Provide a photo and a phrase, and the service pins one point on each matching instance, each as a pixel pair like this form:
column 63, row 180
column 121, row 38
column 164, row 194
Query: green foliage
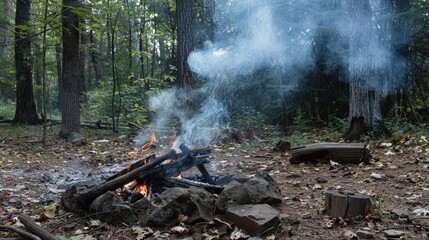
column 134, row 100
column 248, row 117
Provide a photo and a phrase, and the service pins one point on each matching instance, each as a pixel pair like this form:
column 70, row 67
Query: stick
column 36, row 229
column 21, row 232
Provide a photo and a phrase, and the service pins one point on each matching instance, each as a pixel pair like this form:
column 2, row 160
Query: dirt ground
column 33, row 177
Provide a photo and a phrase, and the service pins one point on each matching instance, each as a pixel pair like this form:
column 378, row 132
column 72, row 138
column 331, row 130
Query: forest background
column 351, row 67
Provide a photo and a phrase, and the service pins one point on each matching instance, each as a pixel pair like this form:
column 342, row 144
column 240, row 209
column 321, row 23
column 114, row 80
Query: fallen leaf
column 238, row 234
column 142, row 233
column 179, row 229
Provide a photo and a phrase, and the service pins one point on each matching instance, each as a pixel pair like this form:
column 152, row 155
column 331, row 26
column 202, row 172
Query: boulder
column 194, row 204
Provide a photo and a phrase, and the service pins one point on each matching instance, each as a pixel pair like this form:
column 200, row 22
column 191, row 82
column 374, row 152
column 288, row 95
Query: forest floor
column 33, row 177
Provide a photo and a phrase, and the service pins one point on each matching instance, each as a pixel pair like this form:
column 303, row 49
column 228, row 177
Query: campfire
column 147, row 176
column 154, row 191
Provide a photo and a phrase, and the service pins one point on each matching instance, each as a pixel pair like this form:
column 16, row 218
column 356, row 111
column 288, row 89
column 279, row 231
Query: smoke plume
column 263, row 50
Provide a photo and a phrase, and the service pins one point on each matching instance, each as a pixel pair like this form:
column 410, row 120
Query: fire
column 142, row 188
column 145, row 147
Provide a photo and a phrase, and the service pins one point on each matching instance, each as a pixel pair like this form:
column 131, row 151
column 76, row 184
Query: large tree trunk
column 70, row 95
column 25, row 105
column 364, row 102
column 185, row 41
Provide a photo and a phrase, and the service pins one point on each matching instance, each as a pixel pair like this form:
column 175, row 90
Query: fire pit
column 152, row 192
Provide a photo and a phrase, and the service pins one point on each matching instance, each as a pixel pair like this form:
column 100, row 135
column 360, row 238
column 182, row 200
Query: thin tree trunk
column 94, row 58
column 71, row 68
column 44, row 80
column 25, row 106
column 58, row 57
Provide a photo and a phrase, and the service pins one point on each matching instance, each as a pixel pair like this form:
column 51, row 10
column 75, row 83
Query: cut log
column 337, row 152
column 31, row 226
column 344, row 204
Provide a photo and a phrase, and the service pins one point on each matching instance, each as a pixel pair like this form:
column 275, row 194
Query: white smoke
column 252, row 35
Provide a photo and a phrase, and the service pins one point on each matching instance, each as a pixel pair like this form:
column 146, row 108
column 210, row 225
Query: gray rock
column 234, row 194
column 321, row 180
column 111, row 209
column 262, row 191
column 77, row 138
column 393, row 233
column 258, row 190
column 254, row 219
column 363, row 234
column 400, row 213
column 409, row 143
column 141, row 205
column 194, row 203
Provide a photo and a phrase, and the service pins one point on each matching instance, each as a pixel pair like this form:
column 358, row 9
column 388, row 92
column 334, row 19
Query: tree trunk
column 94, row 59
column 25, row 106
column 141, row 34
column 364, row 101
column 185, row 42
column 83, row 81
column 58, row 50
column 5, row 25
column 70, row 83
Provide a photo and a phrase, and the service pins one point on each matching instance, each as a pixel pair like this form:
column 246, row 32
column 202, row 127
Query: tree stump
column 345, row 204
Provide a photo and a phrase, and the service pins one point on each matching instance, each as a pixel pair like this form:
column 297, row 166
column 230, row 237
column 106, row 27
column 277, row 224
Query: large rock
column 193, row 203
column 257, row 190
column 233, row 194
column 111, row 209
column 262, row 191
column 254, row 219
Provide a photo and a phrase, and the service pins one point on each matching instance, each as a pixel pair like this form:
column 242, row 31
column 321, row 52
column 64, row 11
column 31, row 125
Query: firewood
column 344, row 204
column 36, row 229
column 84, row 199
column 185, row 183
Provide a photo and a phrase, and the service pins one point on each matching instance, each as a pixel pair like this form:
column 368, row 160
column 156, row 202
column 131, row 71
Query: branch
column 21, row 232
column 36, row 229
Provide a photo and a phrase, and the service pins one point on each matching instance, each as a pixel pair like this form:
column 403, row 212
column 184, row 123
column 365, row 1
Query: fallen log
column 36, row 229
column 337, row 152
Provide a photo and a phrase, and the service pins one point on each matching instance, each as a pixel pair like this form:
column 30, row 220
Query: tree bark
column 70, row 79
column 25, row 106
column 364, row 101
column 5, row 25
column 185, row 42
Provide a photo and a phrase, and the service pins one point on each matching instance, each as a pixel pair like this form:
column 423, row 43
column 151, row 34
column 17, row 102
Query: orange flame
column 149, row 144
column 142, row 188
